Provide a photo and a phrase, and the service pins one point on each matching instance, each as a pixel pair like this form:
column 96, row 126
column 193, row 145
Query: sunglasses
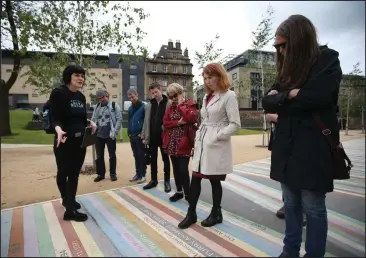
column 173, row 96
column 278, row 46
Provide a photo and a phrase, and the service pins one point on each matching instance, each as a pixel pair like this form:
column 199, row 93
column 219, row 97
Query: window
column 164, row 68
column 133, row 80
column 34, row 95
column 92, row 84
column 114, row 85
column 174, row 69
column 133, row 87
column 114, row 96
column 133, row 67
column 154, row 79
column 175, row 55
column 154, row 68
column 184, row 82
column 9, row 70
column 184, row 69
column 175, row 80
column 114, row 75
column 234, row 76
column 164, row 83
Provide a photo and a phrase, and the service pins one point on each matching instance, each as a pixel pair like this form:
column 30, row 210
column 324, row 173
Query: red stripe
column 218, row 240
column 76, row 247
column 340, row 227
column 16, row 244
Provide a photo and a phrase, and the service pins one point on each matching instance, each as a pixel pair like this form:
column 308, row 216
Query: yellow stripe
column 163, row 244
column 247, row 247
column 189, row 251
column 87, row 240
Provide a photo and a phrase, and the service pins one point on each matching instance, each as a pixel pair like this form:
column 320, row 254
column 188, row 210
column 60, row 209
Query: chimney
column 177, row 44
column 186, row 52
column 170, row 44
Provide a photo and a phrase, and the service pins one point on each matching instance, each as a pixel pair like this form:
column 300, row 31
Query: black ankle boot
column 190, row 219
column 75, row 215
column 214, row 218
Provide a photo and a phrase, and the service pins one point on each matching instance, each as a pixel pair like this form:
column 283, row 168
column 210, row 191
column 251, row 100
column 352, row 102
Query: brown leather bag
column 341, row 164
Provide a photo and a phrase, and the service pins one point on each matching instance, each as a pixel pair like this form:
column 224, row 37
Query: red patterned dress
column 210, row 177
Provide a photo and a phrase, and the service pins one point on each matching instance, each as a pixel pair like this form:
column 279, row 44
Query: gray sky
column 340, row 24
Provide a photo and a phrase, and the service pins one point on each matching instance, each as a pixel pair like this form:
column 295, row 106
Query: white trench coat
column 220, row 119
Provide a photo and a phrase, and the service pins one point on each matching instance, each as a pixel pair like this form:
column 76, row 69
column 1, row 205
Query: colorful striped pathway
column 136, row 223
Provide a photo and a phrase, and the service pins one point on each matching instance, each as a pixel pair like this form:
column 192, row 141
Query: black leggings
column 195, row 191
column 181, row 172
column 69, row 159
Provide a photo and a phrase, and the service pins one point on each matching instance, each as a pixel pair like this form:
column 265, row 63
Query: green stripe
column 43, row 235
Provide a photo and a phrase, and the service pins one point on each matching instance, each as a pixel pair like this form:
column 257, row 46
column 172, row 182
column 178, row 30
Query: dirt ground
column 28, row 174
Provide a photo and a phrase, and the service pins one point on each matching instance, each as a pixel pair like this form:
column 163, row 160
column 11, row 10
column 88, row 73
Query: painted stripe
column 239, row 248
column 137, row 234
column 85, row 237
column 190, row 252
column 6, row 222
column 205, row 237
column 105, row 226
column 58, row 239
column 30, row 233
column 16, row 247
column 170, row 249
column 240, row 237
column 76, row 247
column 132, row 246
column 43, row 235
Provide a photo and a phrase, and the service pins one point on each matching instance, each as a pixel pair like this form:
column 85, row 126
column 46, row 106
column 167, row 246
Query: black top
column 301, row 157
column 68, row 110
column 156, row 120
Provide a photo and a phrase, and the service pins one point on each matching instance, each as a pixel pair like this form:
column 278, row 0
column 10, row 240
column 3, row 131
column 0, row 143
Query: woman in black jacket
column 69, row 118
column 308, row 81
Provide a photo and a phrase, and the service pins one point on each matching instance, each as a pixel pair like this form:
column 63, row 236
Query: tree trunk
column 4, row 111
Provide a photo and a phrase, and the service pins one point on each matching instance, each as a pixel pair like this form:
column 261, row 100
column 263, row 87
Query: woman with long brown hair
column 212, row 157
column 308, row 81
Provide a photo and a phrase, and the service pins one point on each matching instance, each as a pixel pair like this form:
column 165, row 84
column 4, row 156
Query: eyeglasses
column 173, row 96
column 278, row 46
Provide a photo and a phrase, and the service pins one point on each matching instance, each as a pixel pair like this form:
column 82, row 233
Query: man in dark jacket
column 152, row 135
column 136, row 115
column 308, row 82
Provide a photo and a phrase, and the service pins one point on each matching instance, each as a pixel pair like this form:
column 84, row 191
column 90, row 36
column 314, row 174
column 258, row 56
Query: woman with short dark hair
column 69, row 119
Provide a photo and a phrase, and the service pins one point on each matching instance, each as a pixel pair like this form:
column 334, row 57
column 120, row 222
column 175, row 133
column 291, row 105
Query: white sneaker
column 141, row 180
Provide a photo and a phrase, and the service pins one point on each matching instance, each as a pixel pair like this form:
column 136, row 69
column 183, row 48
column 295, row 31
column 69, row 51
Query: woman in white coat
column 212, row 157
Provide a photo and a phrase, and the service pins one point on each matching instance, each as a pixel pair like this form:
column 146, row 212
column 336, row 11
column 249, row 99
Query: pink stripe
column 30, row 233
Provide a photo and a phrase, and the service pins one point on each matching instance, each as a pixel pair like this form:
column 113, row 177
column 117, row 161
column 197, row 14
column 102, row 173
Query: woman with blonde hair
column 212, row 157
column 178, row 137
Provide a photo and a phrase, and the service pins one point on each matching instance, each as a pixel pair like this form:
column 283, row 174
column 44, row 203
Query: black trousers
column 195, row 191
column 154, row 162
column 181, row 173
column 99, row 147
column 69, row 159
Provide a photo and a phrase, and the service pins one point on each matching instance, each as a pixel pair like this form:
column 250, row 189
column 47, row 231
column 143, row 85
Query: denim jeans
column 138, row 150
column 313, row 205
column 99, row 147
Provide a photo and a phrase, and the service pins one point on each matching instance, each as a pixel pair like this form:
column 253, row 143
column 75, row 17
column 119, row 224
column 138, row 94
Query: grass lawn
column 20, row 118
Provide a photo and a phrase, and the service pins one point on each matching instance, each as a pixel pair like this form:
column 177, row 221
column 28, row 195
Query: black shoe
column 283, row 255
column 98, row 178
column 176, row 197
column 167, row 187
column 190, row 219
column 113, row 177
column 281, row 213
column 75, row 215
column 76, row 204
column 150, row 185
column 214, row 218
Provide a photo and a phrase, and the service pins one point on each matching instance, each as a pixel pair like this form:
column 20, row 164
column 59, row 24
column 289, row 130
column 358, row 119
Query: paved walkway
column 133, row 222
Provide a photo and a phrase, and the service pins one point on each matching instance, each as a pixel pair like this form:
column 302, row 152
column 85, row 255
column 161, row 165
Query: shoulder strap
column 327, row 133
column 113, row 106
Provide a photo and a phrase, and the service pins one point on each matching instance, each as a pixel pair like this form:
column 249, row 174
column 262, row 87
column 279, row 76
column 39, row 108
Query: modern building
column 109, row 73
column 167, row 66
column 245, row 73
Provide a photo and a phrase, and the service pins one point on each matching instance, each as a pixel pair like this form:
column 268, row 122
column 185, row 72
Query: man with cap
column 108, row 117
